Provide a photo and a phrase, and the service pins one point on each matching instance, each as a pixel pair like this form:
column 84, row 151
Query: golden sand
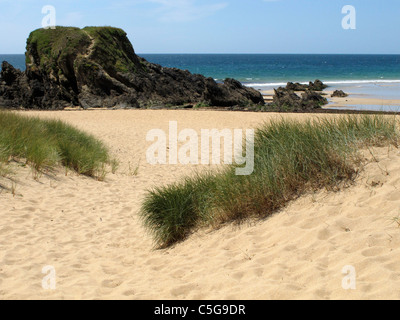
column 89, row 231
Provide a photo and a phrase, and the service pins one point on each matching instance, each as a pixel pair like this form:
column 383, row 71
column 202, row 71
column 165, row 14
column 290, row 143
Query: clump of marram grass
column 45, row 143
column 290, row 159
column 172, row 212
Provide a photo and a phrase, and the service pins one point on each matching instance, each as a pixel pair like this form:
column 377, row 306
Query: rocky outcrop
column 13, row 86
column 317, row 85
column 97, row 67
column 312, row 100
column 296, row 86
column 287, row 100
column 339, row 94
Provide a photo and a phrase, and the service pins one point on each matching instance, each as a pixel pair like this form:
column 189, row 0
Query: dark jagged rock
column 284, row 99
column 296, row 86
column 8, row 73
column 287, row 100
column 98, row 67
column 312, row 100
column 317, row 85
column 13, row 86
column 339, row 94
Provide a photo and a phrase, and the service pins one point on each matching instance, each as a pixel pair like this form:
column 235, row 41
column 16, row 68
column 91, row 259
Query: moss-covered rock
column 113, row 50
column 98, row 67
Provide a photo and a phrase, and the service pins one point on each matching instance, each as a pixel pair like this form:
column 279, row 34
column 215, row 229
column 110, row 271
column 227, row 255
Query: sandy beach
column 90, row 232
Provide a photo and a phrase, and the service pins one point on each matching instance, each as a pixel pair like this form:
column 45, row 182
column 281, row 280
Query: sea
column 375, row 76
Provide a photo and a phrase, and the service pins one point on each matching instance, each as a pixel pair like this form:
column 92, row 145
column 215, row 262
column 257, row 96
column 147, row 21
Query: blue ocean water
column 267, row 69
column 17, row 60
column 363, row 74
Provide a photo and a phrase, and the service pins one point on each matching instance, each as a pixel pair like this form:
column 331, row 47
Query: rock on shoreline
column 286, row 99
column 97, row 67
column 317, row 85
column 339, row 94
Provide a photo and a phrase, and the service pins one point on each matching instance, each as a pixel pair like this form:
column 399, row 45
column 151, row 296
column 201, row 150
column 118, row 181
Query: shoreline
column 372, row 95
column 355, row 102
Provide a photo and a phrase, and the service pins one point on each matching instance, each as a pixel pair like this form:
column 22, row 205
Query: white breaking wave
column 266, row 84
column 362, row 81
column 277, row 84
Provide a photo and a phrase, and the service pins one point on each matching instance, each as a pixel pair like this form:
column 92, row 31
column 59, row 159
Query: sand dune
column 89, row 231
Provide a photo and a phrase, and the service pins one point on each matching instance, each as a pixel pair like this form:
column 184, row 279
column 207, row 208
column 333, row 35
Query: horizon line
column 244, row 53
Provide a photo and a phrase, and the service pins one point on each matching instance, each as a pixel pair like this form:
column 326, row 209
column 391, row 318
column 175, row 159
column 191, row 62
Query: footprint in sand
column 6, row 230
column 324, row 234
column 111, row 283
column 372, row 252
column 311, row 223
column 395, row 267
column 126, row 210
column 183, row 290
column 394, row 196
column 258, row 272
column 129, row 293
column 238, row 276
column 110, row 270
column 322, row 294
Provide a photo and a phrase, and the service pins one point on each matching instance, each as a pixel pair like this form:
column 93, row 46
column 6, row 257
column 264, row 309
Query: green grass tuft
column 290, row 159
column 45, row 143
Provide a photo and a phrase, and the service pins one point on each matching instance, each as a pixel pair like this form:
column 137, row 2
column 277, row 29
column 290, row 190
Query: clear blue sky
column 218, row 26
